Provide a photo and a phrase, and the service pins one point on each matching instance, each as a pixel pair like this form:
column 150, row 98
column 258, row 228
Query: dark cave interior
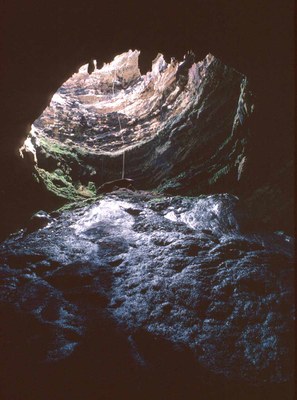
column 117, row 295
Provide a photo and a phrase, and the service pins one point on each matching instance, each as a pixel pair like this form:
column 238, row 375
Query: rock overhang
column 117, row 100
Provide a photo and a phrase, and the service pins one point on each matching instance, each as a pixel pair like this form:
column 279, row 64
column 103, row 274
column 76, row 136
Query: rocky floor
column 138, row 296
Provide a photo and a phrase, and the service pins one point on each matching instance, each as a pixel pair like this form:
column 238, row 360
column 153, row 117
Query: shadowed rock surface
column 138, row 296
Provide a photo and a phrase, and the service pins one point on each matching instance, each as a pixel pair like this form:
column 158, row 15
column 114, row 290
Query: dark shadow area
column 105, row 366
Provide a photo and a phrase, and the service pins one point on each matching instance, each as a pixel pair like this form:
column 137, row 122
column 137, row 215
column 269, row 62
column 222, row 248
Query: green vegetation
column 61, row 152
column 86, row 191
column 173, row 183
column 156, row 200
column 62, row 186
column 59, row 179
column 219, row 174
column 168, row 185
column 79, row 204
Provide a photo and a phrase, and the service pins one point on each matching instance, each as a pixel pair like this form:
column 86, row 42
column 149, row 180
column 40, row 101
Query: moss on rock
column 219, row 174
column 63, row 187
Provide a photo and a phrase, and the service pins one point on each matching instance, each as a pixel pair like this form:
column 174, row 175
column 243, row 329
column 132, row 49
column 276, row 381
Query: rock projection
column 146, row 281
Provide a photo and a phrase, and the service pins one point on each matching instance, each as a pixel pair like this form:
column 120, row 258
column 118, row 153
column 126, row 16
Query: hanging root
column 120, row 125
column 123, row 166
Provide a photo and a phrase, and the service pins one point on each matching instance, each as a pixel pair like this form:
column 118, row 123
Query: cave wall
column 43, row 44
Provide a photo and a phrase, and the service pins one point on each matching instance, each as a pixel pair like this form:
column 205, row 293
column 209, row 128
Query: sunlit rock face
column 143, row 296
column 183, row 126
column 114, row 107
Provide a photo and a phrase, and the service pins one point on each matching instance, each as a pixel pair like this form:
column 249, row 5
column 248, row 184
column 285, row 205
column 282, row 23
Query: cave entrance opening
column 89, row 132
column 182, row 128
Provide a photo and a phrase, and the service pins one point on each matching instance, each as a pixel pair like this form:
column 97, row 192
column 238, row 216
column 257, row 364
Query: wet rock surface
column 138, row 296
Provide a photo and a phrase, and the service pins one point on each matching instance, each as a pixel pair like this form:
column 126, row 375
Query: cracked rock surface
column 145, row 296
